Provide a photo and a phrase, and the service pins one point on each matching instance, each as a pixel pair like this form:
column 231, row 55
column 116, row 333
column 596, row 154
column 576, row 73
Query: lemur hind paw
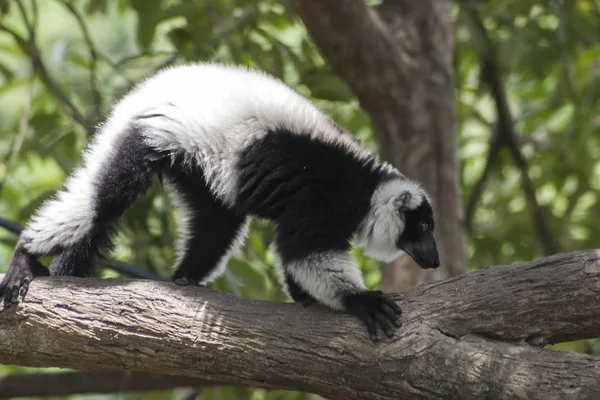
column 16, row 281
column 374, row 308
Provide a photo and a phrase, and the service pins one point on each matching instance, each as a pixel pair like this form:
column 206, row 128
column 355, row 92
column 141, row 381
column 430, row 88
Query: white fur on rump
column 383, row 224
column 210, row 113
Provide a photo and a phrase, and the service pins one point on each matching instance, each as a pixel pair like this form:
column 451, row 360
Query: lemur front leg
column 332, row 278
column 294, row 290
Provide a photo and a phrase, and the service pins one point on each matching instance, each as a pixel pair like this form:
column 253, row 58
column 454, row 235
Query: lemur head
column 399, row 219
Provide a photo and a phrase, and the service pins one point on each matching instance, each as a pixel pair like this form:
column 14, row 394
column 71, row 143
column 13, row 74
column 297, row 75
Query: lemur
column 231, row 143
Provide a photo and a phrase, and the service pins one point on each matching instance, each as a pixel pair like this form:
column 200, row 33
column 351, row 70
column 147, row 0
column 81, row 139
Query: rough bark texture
column 398, row 61
column 470, row 337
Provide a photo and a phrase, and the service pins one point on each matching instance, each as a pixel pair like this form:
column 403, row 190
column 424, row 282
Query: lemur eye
column 425, row 227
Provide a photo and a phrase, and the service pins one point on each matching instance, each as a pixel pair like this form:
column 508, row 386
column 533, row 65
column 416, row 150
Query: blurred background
column 493, row 105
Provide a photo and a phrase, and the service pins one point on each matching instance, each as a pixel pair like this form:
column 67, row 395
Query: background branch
column 492, row 76
column 493, row 152
column 482, row 324
column 69, row 383
column 94, row 56
column 124, row 268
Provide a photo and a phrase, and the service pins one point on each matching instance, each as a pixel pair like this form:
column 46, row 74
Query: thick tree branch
column 69, row 383
column 468, row 337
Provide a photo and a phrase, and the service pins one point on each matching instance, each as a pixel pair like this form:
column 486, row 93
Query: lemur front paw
column 374, row 308
column 16, row 281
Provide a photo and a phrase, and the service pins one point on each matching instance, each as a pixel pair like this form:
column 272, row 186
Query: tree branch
column 482, row 324
column 69, row 383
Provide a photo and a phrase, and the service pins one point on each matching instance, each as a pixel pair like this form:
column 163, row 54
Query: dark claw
column 14, row 294
column 370, row 323
column 24, row 288
column 385, row 324
column 21, row 272
column 372, row 328
column 393, row 305
column 374, row 308
column 392, row 315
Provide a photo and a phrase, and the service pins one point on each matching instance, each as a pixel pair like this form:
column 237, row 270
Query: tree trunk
column 398, row 61
column 470, row 337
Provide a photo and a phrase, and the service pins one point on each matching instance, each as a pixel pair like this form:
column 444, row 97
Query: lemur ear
column 401, row 201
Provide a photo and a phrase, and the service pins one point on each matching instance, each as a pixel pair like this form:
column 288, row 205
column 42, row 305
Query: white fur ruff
column 383, row 224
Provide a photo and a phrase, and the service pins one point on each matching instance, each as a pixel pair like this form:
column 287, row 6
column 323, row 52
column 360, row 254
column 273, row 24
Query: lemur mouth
column 424, row 253
column 428, row 261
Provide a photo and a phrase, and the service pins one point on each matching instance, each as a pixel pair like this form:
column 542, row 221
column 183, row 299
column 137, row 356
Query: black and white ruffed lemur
column 230, row 143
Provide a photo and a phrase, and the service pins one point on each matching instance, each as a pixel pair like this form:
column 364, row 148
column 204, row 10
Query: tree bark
column 470, row 337
column 398, row 61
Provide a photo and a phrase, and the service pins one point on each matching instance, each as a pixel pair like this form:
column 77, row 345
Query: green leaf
column 96, row 6
column 327, row 86
column 149, row 15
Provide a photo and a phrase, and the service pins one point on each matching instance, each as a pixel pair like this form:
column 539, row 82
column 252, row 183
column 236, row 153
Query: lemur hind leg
column 210, row 233
column 119, row 181
column 75, row 225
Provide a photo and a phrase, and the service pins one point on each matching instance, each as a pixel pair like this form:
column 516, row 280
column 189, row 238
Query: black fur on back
column 317, row 192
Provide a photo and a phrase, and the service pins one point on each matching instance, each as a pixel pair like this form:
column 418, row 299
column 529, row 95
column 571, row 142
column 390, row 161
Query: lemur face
column 400, row 219
column 417, row 238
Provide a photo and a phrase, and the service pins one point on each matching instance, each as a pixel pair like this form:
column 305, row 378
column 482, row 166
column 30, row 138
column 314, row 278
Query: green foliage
column 92, row 51
column 548, row 55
